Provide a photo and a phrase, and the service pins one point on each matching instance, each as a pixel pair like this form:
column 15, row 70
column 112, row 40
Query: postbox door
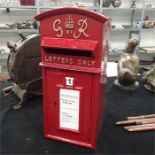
column 67, row 106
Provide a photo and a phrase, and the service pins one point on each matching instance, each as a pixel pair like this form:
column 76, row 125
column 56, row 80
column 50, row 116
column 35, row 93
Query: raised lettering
column 71, row 61
column 62, row 60
column 93, row 62
column 58, row 59
column 89, row 63
column 46, row 59
column 57, row 28
column 83, row 25
column 50, row 59
column 79, row 62
column 54, row 59
column 84, row 62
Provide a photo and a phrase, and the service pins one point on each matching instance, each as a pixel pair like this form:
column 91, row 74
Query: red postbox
column 74, row 56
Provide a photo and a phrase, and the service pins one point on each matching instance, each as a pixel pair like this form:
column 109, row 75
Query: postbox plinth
column 74, row 76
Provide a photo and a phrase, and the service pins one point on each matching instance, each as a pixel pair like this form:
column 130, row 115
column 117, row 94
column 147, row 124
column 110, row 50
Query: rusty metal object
column 4, row 77
column 23, row 67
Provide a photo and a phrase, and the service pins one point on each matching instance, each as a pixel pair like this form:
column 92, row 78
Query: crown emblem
column 69, row 23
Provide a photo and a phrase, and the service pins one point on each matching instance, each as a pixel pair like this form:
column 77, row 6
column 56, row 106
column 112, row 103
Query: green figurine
column 128, row 67
column 149, row 78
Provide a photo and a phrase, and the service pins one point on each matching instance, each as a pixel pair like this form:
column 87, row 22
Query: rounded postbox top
column 68, row 10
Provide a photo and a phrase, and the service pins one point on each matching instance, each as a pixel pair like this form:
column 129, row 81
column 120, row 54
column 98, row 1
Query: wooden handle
column 136, row 121
column 141, row 117
column 143, row 127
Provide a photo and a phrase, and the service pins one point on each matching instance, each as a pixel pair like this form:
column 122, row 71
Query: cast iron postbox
column 74, row 55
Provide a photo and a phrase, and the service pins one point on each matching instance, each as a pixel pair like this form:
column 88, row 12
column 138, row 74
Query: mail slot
column 74, row 46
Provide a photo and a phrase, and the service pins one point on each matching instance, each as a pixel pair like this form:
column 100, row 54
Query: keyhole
column 55, row 103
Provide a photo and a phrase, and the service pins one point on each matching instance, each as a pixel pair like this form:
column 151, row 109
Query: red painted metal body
column 74, row 56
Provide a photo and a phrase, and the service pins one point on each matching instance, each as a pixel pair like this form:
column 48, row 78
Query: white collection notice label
column 69, row 109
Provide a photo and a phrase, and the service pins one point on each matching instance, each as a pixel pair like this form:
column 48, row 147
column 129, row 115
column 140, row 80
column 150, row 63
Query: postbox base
column 83, row 144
